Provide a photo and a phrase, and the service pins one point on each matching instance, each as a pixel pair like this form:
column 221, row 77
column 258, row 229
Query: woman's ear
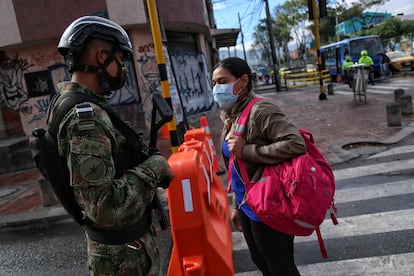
column 245, row 80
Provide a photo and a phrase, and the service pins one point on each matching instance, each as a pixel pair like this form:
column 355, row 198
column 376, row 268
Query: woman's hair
column 237, row 67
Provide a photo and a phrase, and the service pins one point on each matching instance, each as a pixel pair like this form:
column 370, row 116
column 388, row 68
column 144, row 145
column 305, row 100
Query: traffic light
column 310, row 9
column 322, row 9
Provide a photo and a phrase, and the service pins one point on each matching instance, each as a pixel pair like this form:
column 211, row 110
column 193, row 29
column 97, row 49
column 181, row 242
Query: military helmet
column 79, row 31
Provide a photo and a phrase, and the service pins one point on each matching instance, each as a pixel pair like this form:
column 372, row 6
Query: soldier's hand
column 159, row 165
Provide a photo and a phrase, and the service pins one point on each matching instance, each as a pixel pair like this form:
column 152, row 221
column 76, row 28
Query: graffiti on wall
column 40, row 106
column 192, row 78
column 193, row 81
column 148, row 74
column 29, row 92
column 12, row 94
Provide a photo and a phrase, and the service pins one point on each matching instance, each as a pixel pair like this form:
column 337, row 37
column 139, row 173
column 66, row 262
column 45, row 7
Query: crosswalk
column 375, row 234
column 382, row 88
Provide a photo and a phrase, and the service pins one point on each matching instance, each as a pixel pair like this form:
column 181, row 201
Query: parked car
column 400, row 61
column 311, row 68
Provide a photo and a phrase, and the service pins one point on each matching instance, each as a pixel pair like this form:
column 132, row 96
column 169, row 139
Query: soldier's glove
column 161, row 169
column 165, row 182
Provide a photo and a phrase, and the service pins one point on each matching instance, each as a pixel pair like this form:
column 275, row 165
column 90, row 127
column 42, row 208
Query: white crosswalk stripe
column 362, row 225
column 396, row 265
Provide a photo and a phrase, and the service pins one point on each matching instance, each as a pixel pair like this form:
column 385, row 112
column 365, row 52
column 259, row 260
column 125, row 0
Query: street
column 375, row 235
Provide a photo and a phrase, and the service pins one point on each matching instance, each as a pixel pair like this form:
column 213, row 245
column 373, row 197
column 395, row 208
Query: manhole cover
column 358, row 145
column 5, row 192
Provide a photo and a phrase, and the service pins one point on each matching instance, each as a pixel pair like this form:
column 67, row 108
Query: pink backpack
column 292, row 197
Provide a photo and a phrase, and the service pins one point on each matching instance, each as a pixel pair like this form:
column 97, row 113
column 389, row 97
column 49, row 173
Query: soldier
column 115, row 198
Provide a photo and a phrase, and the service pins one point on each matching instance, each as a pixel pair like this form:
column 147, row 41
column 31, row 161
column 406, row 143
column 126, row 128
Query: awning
column 225, row 37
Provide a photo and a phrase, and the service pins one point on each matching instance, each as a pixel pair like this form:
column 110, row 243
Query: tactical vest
column 57, row 173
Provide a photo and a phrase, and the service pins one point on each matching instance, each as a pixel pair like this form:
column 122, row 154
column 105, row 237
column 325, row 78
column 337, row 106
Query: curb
column 346, row 155
column 41, row 215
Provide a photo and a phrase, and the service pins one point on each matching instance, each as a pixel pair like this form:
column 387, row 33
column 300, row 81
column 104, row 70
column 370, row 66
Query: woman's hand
column 236, row 144
column 235, row 219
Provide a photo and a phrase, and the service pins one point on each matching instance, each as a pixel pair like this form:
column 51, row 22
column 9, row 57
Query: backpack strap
column 244, row 116
column 239, row 131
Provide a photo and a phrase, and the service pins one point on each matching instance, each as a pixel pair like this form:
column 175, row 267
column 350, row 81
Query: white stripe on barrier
column 187, row 195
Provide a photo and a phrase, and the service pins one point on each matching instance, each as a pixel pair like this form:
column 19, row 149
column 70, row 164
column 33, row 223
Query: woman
column 270, row 138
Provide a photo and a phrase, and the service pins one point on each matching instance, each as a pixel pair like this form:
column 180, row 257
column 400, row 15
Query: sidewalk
column 340, row 125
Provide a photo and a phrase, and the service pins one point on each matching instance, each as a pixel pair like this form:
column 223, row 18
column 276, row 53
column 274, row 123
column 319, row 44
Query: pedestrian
column 114, row 201
column 270, row 138
column 368, row 63
column 384, row 61
column 346, row 66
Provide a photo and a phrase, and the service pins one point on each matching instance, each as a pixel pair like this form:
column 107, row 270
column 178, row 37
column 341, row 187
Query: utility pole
column 272, row 46
column 242, row 37
column 315, row 16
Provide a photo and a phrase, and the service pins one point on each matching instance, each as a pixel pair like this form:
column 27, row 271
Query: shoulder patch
column 85, row 146
column 84, row 110
column 92, row 169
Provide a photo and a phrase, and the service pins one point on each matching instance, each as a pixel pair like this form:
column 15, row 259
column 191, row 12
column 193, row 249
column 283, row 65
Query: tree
column 292, row 17
column 407, row 27
column 261, row 38
column 389, row 28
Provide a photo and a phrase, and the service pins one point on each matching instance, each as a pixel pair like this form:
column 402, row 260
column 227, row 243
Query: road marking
column 351, row 226
column 376, row 89
column 399, row 264
column 379, row 168
column 379, row 190
column 357, row 225
column 394, row 151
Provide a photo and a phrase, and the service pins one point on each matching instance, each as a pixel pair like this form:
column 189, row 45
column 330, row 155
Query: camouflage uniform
column 111, row 203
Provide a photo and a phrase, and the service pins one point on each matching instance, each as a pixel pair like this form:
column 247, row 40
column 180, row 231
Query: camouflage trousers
column 138, row 258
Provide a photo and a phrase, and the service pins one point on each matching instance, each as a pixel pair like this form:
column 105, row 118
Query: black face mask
column 108, row 82
column 118, row 81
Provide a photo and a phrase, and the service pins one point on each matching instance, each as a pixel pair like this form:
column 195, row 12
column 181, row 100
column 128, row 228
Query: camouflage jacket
column 88, row 144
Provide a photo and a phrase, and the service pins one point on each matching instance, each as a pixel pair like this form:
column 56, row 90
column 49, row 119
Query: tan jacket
column 270, row 136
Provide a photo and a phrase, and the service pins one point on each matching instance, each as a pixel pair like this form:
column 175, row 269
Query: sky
column 251, row 11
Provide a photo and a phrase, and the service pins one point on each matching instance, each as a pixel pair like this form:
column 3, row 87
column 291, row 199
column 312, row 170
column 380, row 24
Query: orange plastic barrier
column 204, row 124
column 199, row 212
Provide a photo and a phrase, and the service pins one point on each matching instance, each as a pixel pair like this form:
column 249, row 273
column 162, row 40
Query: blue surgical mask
column 223, row 94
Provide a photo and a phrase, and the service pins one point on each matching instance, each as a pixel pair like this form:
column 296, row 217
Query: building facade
column 356, row 24
column 31, row 67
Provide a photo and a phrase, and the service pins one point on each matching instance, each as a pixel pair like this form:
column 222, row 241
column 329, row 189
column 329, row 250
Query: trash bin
column 330, row 89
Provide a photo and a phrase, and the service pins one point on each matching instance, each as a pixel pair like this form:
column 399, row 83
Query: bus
column 333, row 55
